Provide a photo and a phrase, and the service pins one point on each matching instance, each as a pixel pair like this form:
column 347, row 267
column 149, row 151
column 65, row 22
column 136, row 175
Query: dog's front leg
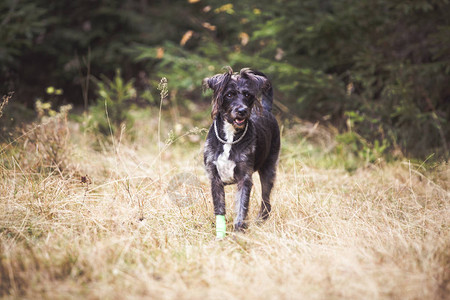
column 242, row 202
column 218, row 195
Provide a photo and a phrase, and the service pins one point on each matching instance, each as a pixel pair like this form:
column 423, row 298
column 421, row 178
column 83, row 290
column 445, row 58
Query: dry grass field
column 111, row 222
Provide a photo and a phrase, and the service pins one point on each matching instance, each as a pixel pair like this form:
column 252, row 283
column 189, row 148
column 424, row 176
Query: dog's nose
column 242, row 111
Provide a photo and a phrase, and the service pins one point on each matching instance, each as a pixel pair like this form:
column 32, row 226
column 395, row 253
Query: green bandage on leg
column 221, row 226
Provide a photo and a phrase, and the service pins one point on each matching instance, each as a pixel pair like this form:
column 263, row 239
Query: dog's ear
column 217, row 83
column 259, row 81
column 259, row 84
column 212, row 82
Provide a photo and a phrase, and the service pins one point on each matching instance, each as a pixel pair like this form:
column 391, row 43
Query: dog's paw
column 240, row 227
column 262, row 217
column 264, row 213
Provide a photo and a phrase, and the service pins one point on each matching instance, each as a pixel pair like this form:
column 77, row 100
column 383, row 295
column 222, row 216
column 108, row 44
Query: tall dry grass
column 105, row 227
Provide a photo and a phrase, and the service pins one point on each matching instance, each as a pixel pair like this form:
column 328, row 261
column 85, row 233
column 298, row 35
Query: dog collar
column 229, row 143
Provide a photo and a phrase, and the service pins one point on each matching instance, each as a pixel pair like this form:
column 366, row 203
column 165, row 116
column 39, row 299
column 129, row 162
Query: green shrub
column 111, row 110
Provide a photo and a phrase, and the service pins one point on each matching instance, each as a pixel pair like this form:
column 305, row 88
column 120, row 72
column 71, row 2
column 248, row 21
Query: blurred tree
column 47, row 43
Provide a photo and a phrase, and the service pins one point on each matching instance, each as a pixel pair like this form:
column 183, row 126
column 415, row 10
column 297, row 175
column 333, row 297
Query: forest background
column 377, row 71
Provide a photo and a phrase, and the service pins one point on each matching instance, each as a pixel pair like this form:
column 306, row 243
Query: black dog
column 243, row 138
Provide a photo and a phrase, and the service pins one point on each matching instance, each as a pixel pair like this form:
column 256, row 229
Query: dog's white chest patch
column 225, row 166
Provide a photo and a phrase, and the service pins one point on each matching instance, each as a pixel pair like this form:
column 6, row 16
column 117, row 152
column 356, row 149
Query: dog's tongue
column 239, row 121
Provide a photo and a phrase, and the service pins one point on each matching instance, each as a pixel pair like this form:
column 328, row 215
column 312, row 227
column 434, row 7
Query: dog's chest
column 225, row 166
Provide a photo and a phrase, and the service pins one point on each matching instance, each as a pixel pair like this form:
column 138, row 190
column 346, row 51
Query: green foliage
column 183, row 69
column 21, row 22
column 111, row 111
column 47, row 43
column 354, row 150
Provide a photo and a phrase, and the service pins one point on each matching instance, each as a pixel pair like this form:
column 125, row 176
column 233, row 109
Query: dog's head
column 236, row 95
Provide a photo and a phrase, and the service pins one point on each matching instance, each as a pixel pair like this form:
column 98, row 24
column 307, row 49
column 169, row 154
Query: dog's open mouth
column 239, row 122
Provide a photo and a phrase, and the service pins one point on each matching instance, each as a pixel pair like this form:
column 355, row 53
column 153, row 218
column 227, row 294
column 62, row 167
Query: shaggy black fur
column 241, row 110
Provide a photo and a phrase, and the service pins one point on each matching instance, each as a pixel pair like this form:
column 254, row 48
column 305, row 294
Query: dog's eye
column 246, row 95
column 228, row 95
